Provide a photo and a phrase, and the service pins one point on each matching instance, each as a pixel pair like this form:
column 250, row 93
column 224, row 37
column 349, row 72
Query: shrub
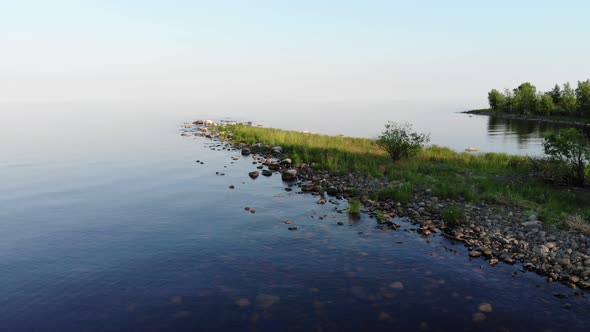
column 400, row 141
column 570, row 148
column 453, row 216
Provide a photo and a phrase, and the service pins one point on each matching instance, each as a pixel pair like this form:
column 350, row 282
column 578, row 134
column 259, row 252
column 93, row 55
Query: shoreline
column 497, row 232
column 532, row 118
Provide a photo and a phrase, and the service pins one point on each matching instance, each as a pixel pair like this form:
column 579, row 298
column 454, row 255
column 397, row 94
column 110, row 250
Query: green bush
column 399, row 141
column 570, row 148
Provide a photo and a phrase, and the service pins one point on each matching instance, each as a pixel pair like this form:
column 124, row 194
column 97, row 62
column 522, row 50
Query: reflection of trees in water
column 525, row 130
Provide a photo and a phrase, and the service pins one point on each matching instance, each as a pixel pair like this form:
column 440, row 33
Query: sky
column 287, row 50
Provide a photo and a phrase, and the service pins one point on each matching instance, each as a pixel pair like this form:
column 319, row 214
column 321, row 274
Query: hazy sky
column 287, row 50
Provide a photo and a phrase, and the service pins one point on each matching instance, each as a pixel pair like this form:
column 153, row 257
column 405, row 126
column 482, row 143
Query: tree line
column 526, row 100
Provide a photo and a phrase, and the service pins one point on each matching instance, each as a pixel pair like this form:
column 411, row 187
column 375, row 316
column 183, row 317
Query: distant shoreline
column 537, row 118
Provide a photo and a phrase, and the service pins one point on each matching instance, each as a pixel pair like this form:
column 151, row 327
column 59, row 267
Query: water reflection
column 527, row 134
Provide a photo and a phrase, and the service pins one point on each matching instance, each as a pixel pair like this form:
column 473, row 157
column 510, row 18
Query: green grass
column 354, row 206
column 453, row 216
column 399, row 193
column 491, row 177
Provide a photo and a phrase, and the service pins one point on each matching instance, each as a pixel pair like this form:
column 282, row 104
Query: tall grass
column 354, row 207
column 493, row 177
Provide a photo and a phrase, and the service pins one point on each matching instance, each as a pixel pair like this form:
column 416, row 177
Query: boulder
column 289, row 175
column 308, row 186
column 266, row 172
column 286, row 162
column 198, row 122
column 332, row 191
column 274, row 166
column 208, row 123
column 254, row 174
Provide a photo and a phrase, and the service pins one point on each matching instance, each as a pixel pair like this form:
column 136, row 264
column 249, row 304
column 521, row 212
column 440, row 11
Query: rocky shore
column 494, row 232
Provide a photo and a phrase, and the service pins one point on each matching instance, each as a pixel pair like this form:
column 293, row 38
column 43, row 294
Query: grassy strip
column 491, row 177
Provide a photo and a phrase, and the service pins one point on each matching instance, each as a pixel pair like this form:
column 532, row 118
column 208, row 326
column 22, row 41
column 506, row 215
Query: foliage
column 555, row 94
column 496, row 99
column 546, row 105
column 525, row 98
column 571, row 148
column 399, row 193
column 400, row 141
column 583, row 98
column 453, row 216
column 559, row 101
column 354, row 206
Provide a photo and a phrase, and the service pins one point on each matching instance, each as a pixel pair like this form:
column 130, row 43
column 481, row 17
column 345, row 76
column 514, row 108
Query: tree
column 496, row 100
column 568, row 100
column 509, row 101
column 525, row 98
column 400, row 141
column 583, row 98
column 555, row 94
column 546, row 105
column 571, row 148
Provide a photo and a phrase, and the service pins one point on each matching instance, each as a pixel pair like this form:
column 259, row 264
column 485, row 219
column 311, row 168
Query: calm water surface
column 107, row 223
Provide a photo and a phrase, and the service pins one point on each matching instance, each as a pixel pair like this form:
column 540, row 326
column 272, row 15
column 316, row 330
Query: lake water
column 107, row 223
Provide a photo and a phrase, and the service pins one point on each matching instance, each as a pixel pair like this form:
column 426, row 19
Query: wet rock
column 332, row 191
column 274, row 166
column 478, row 317
column 246, row 152
column 307, row 186
column 265, row 301
column 398, row 285
column 294, row 228
column 286, row 162
column 340, row 223
column 321, row 201
column 383, row 316
column 266, row 172
column 485, row 307
column 475, row 254
column 253, row 175
column 232, row 187
column 288, row 222
column 243, row 303
column 289, row 175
